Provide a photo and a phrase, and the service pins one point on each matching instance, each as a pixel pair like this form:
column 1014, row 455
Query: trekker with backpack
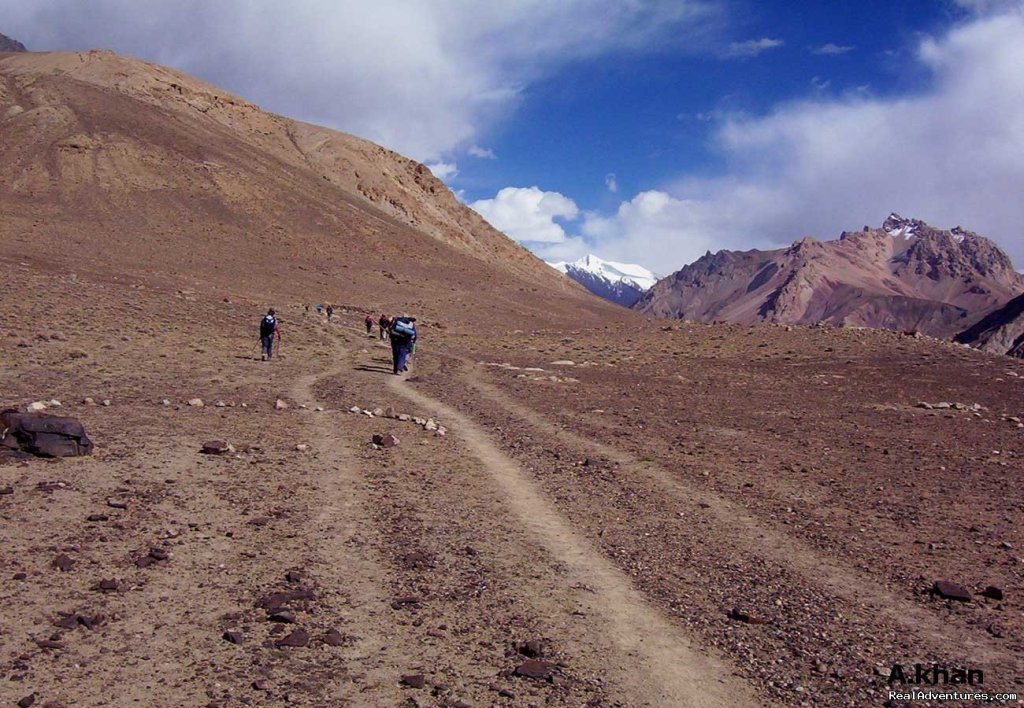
column 384, row 323
column 268, row 330
column 330, row 312
column 403, row 341
column 369, row 325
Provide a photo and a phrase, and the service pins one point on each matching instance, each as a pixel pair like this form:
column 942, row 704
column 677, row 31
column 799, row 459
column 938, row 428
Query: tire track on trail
column 652, row 661
column 758, row 539
column 381, row 649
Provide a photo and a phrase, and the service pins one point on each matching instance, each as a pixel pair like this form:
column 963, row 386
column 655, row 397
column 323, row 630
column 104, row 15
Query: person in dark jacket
column 269, row 329
column 369, row 324
column 384, row 323
column 403, row 341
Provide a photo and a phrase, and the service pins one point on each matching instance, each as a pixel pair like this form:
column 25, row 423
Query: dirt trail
column 653, row 661
column 763, row 540
column 380, row 647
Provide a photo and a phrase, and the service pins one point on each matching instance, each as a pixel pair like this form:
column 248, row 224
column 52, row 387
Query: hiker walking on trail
column 369, row 325
column 384, row 323
column 403, row 341
column 268, row 330
column 330, row 312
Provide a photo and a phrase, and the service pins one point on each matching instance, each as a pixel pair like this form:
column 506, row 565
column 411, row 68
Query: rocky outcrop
column 1000, row 332
column 905, row 275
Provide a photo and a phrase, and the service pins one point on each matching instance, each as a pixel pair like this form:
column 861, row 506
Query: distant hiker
column 403, row 341
column 268, row 330
column 384, row 323
column 369, row 324
column 319, row 308
column 330, row 313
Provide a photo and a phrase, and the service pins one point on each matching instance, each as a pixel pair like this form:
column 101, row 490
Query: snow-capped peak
column 896, row 225
column 614, row 272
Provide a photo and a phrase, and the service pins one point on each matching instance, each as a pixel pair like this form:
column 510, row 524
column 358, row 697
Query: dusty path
column 763, row 540
column 652, row 660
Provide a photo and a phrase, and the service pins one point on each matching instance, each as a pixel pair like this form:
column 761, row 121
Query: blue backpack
column 404, row 329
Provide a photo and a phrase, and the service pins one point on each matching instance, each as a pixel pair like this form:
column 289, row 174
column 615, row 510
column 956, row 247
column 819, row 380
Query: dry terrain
column 616, row 510
column 621, row 510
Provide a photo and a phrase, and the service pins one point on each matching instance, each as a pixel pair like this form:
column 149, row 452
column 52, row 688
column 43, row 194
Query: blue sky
column 644, row 131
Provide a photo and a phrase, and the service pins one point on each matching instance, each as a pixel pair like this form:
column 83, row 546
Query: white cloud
column 988, row 7
column 831, row 49
column 951, row 154
column 482, row 153
column 444, row 171
column 752, row 47
column 611, row 182
column 423, row 78
column 528, row 214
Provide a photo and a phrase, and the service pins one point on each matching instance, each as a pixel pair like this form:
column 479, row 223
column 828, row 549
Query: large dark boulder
column 43, row 435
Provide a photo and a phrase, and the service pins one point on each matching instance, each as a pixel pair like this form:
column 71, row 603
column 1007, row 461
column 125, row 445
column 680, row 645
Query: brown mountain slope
column 1000, row 332
column 117, row 164
column 10, row 45
column 905, row 275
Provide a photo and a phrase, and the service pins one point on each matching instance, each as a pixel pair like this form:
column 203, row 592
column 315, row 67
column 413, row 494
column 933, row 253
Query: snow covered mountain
column 621, row 283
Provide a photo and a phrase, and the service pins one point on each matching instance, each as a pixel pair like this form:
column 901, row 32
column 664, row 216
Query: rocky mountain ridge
column 906, row 275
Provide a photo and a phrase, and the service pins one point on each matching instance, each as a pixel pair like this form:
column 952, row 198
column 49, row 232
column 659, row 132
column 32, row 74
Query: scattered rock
column 301, row 447
column 97, row 517
column 277, row 600
column 390, row 412
column 536, row 669
column 280, row 405
column 404, row 417
column 385, row 440
column 105, row 402
column 992, row 592
column 430, row 425
column 741, row 616
column 298, row 638
column 282, row 615
column 414, row 680
column 107, row 585
column 234, row 637
column 27, row 701
column 88, row 400
column 6, row 490
column 196, row 402
column 334, row 638
column 217, row 447
column 36, row 407
column 165, row 402
column 404, row 601
column 117, row 504
column 293, row 576
column 220, row 404
column 64, row 563
column 533, row 648
column 950, row 591
column 563, row 362
column 355, row 409
column 379, row 412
